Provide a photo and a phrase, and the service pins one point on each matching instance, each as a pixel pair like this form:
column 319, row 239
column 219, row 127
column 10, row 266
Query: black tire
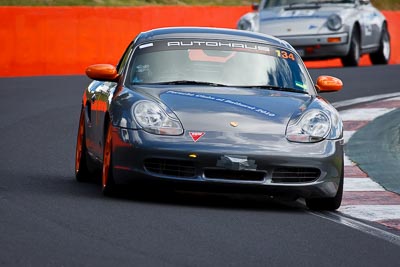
column 382, row 56
column 331, row 203
column 353, row 57
column 109, row 187
column 82, row 173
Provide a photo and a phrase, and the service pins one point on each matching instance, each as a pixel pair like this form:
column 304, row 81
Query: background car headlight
column 312, row 126
column 245, row 25
column 153, row 119
column 334, row 22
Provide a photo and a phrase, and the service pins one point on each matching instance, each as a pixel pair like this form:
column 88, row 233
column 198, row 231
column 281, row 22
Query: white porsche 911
column 322, row 29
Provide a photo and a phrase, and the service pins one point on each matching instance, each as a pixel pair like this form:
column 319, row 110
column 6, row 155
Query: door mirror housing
column 327, row 84
column 102, row 72
column 255, row 6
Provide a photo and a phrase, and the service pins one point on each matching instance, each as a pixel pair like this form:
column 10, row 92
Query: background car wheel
column 108, row 184
column 82, row 173
column 353, row 57
column 328, row 203
column 382, row 56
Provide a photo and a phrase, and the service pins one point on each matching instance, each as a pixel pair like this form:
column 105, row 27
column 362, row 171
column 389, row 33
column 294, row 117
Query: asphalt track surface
column 49, row 219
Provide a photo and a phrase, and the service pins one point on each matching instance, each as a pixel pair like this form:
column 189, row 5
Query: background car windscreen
column 219, row 62
column 277, row 3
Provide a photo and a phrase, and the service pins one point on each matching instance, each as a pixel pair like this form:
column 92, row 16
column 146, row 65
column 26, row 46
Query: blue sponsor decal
column 311, row 27
column 225, row 101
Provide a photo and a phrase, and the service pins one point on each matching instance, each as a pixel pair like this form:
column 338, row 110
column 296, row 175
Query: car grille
column 295, row 175
column 225, row 174
column 170, row 167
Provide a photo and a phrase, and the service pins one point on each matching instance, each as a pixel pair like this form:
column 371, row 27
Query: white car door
column 370, row 26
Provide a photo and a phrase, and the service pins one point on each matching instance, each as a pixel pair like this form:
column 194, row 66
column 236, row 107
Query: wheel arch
column 385, row 25
column 107, row 120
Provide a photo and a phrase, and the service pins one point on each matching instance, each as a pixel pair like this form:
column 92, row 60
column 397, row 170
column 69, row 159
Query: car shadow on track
column 69, row 187
column 205, row 199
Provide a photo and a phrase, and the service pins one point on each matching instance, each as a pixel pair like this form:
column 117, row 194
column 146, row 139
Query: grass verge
column 381, row 4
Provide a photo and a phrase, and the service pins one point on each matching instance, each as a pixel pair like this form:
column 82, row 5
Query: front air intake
column 288, row 175
column 170, row 167
column 243, row 175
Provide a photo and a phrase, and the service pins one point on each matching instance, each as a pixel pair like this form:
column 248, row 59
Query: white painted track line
column 361, row 184
column 347, row 103
column 364, row 114
column 347, row 161
column 347, row 135
column 372, row 212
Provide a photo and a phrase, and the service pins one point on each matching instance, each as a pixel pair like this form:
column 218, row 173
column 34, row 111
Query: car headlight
column 312, row 126
column 153, row 119
column 334, row 22
column 245, row 25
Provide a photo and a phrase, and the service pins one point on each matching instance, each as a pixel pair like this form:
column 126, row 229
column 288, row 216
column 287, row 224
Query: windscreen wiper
column 307, row 5
column 187, row 82
column 276, row 88
column 336, row 2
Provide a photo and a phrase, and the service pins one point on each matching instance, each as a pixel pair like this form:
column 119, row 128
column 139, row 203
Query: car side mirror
column 327, row 84
column 255, row 6
column 102, row 72
column 364, row 2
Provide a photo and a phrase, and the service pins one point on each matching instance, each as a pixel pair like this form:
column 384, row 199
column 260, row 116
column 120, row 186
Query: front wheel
column 330, row 203
column 108, row 185
column 382, row 56
column 353, row 56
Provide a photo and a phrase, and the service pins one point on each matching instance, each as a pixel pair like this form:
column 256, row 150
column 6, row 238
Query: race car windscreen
column 223, row 63
column 278, row 3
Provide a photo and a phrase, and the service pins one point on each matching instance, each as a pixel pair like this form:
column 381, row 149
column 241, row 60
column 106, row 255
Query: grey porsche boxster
column 212, row 109
column 322, row 29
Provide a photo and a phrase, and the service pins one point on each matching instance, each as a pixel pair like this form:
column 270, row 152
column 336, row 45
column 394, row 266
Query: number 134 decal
column 284, row 54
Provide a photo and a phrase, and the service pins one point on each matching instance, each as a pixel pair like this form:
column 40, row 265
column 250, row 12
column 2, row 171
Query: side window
column 124, row 59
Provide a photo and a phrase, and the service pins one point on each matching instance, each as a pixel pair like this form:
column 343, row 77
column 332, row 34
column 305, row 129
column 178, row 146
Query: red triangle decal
column 196, row 135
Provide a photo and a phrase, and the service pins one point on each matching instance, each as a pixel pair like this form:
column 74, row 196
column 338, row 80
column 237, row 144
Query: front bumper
column 320, row 46
column 178, row 160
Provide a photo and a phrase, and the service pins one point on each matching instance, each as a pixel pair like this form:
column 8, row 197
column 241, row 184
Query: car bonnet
column 281, row 22
column 220, row 109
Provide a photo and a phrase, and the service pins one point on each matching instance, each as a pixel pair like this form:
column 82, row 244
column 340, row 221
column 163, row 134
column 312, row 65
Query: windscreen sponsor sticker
column 207, row 44
column 197, row 48
column 146, row 45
